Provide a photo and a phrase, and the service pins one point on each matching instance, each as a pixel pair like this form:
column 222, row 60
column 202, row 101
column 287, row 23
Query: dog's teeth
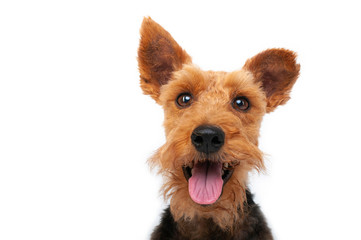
column 225, row 165
column 191, row 165
column 222, row 172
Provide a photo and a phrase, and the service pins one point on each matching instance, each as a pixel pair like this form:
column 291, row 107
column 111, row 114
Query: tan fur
column 166, row 71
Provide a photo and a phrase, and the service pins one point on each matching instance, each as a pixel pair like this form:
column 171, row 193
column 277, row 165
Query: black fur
column 252, row 226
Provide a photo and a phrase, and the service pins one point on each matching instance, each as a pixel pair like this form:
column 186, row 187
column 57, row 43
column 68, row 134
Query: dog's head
column 212, row 122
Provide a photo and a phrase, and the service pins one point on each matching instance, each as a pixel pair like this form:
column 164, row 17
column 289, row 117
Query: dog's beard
column 188, row 199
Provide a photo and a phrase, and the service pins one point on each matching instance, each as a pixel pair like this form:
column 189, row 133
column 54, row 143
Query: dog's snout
column 207, row 139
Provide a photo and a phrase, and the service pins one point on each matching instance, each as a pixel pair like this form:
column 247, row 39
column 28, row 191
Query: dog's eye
column 241, row 104
column 184, row 100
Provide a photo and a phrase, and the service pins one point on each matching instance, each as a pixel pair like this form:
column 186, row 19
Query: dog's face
column 212, row 122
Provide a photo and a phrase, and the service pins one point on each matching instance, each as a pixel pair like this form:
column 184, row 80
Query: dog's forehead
column 228, row 84
column 209, row 84
column 235, row 80
column 219, row 88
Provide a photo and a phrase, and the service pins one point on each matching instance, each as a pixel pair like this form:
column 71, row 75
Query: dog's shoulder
column 167, row 228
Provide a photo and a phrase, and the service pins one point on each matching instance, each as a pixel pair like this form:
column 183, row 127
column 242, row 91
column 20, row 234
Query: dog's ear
column 159, row 56
column 277, row 71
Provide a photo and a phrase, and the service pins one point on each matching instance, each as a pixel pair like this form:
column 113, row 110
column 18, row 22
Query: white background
column 75, row 129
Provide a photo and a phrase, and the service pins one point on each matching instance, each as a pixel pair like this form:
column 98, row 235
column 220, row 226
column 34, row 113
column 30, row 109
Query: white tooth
column 192, row 171
column 226, row 165
column 191, row 165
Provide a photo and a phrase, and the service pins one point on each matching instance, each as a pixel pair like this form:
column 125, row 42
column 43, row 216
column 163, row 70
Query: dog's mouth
column 206, row 180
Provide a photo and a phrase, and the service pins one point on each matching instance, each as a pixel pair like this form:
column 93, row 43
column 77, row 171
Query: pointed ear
column 277, row 71
column 158, row 57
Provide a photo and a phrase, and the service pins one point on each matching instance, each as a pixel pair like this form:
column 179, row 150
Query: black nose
column 207, row 139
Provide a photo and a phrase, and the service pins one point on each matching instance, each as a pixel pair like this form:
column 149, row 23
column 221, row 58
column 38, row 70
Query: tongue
column 205, row 185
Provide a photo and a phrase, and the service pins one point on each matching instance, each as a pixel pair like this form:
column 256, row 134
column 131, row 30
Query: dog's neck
column 206, row 228
column 250, row 225
column 201, row 228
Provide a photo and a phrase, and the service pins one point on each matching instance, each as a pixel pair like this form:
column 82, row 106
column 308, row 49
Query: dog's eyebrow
column 238, row 81
column 190, row 78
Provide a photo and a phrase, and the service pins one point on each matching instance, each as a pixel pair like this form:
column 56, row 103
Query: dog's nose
column 207, row 139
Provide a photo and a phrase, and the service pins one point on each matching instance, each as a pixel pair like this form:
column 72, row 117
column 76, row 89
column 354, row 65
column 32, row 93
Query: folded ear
column 277, row 71
column 158, row 57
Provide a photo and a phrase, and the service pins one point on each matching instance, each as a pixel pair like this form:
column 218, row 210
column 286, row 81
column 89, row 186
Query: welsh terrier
column 212, row 122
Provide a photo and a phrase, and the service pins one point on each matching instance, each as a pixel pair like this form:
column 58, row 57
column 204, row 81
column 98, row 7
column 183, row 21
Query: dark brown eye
column 241, row 104
column 184, row 100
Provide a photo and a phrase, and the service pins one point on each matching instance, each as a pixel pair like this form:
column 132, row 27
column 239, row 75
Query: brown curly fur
column 166, row 71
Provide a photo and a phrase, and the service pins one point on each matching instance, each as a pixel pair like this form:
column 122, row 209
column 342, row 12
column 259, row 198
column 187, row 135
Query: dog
column 212, row 122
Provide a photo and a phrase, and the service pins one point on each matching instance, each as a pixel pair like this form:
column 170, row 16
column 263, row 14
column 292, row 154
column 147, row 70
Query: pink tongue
column 205, row 185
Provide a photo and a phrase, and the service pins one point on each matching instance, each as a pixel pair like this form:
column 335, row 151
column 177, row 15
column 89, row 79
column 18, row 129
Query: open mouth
column 206, row 180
